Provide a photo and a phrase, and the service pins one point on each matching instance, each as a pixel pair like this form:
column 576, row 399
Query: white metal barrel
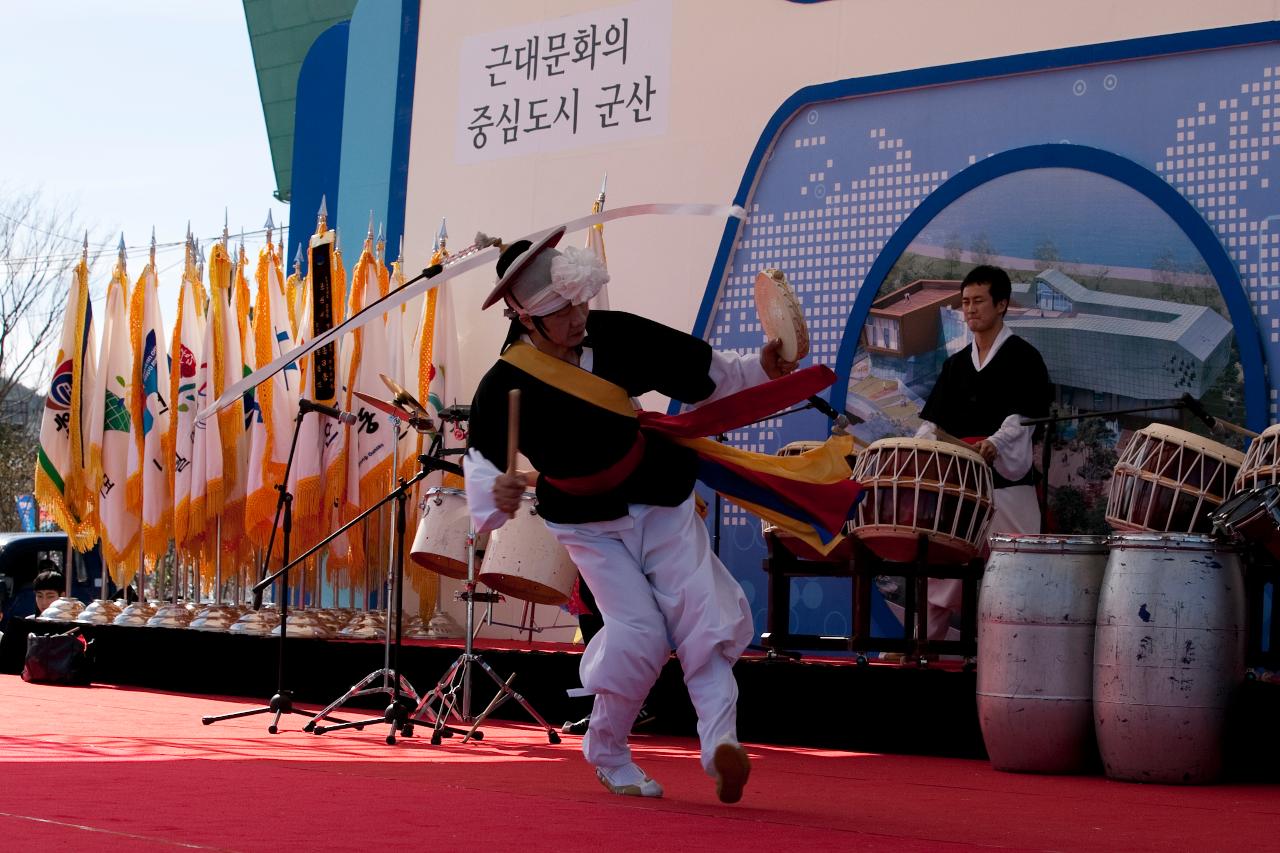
column 1036, row 612
column 441, row 541
column 525, row 561
column 1168, row 656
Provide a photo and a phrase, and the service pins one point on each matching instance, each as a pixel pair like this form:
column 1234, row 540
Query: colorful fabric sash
column 809, row 496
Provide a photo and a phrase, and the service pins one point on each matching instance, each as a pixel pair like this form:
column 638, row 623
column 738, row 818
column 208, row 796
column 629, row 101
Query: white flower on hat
column 577, row 274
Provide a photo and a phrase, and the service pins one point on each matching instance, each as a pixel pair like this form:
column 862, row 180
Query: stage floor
column 117, row 768
column 818, row 702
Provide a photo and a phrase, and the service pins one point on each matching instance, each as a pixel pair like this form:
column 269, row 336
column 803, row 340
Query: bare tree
column 981, row 249
column 16, row 442
column 1046, row 254
column 38, row 249
column 954, row 252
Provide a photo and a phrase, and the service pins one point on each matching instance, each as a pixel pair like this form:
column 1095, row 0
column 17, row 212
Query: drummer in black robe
column 984, row 392
column 619, row 499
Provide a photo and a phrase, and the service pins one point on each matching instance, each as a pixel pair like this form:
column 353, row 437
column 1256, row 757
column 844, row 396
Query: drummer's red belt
column 809, row 495
column 606, row 480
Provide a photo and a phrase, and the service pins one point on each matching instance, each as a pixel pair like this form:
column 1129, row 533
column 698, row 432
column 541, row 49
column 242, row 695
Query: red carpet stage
column 114, row 768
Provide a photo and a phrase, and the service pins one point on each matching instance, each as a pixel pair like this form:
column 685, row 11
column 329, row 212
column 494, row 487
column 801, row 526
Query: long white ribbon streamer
column 396, row 298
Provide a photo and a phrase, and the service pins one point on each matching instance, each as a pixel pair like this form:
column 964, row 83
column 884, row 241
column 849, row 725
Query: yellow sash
column 570, row 378
column 824, row 464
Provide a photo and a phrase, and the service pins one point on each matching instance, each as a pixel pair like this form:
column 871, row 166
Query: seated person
column 48, row 586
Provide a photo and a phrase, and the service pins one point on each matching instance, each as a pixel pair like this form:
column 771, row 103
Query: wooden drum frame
column 1169, row 480
column 1261, row 466
column 915, row 487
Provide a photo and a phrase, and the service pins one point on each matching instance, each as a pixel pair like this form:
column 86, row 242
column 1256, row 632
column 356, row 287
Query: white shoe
column 628, row 781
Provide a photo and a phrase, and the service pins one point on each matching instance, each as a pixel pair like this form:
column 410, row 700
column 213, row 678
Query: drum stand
column 402, row 695
column 457, row 680
column 528, row 620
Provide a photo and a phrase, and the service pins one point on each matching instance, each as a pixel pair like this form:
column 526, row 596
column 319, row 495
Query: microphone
column 1195, row 407
column 841, row 420
column 305, row 405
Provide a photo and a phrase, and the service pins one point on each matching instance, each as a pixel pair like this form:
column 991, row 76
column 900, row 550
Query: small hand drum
column 917, row 487
column 780, row 314
column 1168, row 481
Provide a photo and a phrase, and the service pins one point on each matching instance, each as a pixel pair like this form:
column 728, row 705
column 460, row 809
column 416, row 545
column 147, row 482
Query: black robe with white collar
column 566, row 437
column 972, row 403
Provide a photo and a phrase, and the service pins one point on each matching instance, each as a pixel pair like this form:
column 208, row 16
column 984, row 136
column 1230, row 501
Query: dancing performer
column 617, row 494
column 984, row 391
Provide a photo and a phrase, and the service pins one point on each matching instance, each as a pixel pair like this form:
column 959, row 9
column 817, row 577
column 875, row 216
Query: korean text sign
column 598, row 77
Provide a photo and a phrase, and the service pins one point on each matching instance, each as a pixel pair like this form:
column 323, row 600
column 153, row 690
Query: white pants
column 657, row 583
column 1017, row 510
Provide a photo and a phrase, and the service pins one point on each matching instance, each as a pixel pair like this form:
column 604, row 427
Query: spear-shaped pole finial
column 297, row 262
column 153, row 247
column 84, row 256
column 226, row 234
column 370, row 235
column 241, row 244
column 442, row 237
column 322, row 216
column 120, row 248
column 604, row 183
column 270, row 225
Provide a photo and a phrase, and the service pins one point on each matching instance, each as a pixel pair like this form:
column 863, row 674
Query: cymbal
column 386, row 406
column 403, row 398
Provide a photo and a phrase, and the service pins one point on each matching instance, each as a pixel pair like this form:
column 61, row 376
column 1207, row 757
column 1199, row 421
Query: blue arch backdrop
column 317, row 135
column 1084, row 158
column 352, row 126
column 844, row 171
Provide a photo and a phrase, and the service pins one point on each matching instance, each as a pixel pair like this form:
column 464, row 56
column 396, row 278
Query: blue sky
column 137, row 113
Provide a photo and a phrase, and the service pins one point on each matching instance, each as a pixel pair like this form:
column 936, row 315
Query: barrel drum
column 1168, row 656
column 1036, row 612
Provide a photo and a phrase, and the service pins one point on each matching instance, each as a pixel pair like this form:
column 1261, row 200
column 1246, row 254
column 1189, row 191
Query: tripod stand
column 394, row 684
column 282, row 702
column 453, row 691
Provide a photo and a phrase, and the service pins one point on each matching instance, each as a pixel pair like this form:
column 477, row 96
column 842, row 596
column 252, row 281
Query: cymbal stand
column 453, row 691
column 403, row 696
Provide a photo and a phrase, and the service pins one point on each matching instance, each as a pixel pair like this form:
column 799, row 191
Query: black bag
column 57, row 658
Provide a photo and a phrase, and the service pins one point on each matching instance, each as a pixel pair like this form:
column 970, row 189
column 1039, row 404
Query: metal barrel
column 1168, row 656
column 1036, row 613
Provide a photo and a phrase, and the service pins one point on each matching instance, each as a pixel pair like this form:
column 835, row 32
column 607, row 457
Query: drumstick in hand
column 513, row 429
column 942, row 435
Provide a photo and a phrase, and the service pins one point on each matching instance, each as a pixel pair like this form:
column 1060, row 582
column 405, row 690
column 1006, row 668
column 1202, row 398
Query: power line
column 138, row 249
column 25, row 224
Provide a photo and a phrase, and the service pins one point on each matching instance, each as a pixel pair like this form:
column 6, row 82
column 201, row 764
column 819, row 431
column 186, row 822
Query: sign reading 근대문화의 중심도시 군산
column 601, row 76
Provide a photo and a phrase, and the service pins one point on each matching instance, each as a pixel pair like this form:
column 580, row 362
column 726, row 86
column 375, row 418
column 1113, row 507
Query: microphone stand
column 404, row 699
column 282, row 702
column 1186, row 403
